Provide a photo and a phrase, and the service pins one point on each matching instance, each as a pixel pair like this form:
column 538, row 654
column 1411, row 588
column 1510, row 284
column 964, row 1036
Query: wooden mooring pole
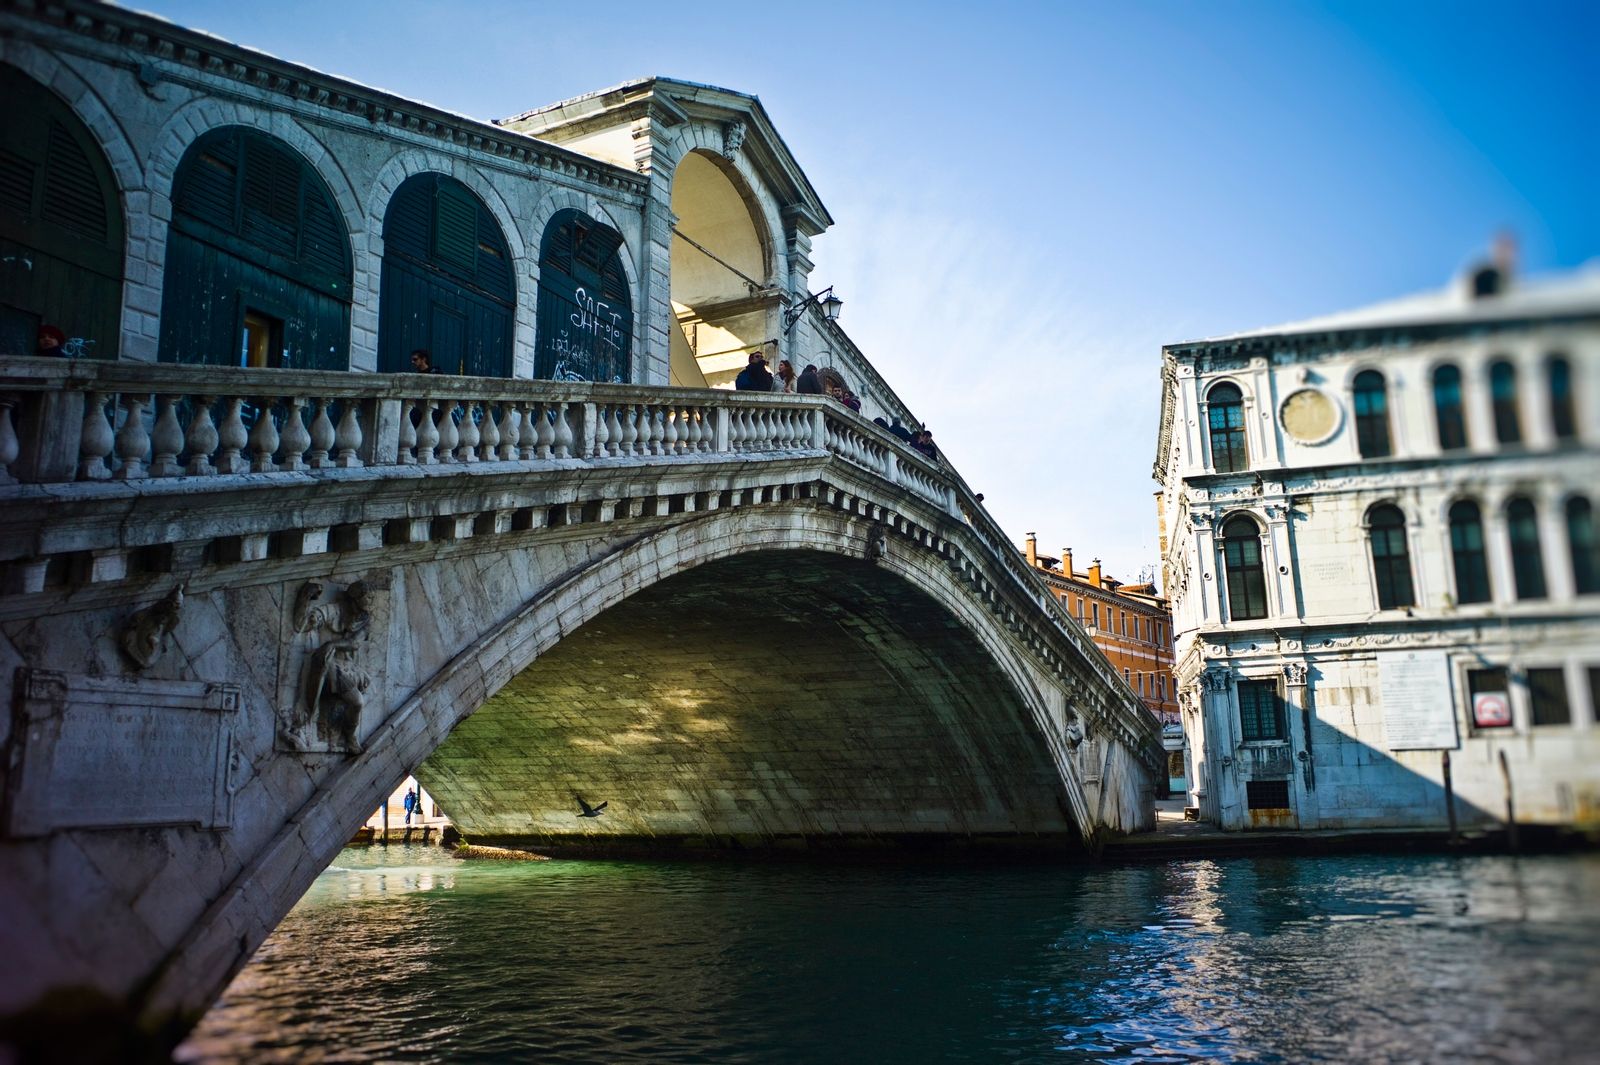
column 1511, row 808
column 1450, row 799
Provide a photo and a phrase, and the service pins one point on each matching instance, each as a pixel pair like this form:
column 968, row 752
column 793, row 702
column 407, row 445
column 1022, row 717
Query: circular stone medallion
column 1309, row 416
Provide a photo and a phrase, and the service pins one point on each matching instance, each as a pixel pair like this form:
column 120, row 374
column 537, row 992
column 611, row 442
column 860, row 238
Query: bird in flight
column 589, row 811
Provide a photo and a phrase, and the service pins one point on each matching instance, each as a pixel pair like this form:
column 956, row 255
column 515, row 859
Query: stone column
column 1297, row 705
column 1222, row 801
column 1278, row 556
column 1209, row 566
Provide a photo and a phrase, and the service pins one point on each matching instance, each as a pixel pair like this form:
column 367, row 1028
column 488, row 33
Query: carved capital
column 1217, row 680
column 1295, row 673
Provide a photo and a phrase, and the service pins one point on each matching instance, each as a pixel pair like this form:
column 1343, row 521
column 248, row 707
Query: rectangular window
column 1261, row 714
column 1161, row 687
column 1267, row 794
column 1490, row 697
column 1547, row 692
column 1094, row 609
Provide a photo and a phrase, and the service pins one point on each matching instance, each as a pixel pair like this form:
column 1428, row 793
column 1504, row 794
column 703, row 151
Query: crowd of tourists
column 755, row 377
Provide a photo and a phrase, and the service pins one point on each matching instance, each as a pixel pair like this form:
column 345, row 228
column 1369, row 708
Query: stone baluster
column 166, row 440
column 544, row 431
column 263, row 438
column 347, row 441
column 427, row 434
column 489, row 439
column 649, row 443
column 613, row 444
column 736, row 434
column 294, row 438
column 511, row 430
column 407, row 454
column 322, row 439
column 694, row 428
column 449, row 435
column 232, row 438
column 468, row 451
column 10, row 446
column 669, row 431
column 94, row 441
column 562, row 448
column 133, row 441
column 630, row 428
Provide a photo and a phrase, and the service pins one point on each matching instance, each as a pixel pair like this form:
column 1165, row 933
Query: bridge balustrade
column 72, row 421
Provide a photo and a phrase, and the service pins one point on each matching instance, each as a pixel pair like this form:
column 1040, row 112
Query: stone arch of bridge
column 982, row 760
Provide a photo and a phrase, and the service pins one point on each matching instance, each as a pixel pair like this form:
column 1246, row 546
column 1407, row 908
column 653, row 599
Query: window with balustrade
column 1261, row 715
column 1527, row 561
column 1582, row 543
column 1503, row 397
column 1563, row 415
column 1371, row 401
column 1449, row 415
column 1225, row 416
column 1467, row 555
column 1241, row 561
column 1391, row 561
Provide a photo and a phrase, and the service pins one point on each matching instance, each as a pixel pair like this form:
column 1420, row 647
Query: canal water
column 405, row 954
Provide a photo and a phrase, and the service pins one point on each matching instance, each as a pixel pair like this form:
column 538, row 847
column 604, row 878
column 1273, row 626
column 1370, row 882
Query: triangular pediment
column 631, row 125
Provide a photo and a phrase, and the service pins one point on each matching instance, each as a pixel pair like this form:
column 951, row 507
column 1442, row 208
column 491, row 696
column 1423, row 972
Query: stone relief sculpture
column 144, row 635
column 877, row 541
column 732, row 138
column 1074, row 731
column 334, row 686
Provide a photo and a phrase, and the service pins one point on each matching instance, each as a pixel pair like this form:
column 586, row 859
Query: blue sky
column 1031, row 198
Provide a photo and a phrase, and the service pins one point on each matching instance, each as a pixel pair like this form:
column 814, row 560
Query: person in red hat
column 51, row 341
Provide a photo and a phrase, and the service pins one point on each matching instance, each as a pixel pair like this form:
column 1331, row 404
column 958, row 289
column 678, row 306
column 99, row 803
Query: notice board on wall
column 1418, row 710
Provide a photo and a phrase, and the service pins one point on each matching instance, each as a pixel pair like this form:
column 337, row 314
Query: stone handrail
column 83, row 420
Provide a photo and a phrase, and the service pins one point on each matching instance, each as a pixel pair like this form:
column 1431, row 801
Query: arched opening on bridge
column 774, row 701
column 258, row 266
column 585, row 326
column 721, row 265
column 447, row 281
column 61, row 232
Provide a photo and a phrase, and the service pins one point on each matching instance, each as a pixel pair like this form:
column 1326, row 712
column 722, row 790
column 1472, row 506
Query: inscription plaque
column 101, row 752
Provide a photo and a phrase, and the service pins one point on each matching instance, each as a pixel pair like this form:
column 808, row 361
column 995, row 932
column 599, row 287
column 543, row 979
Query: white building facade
column 1381, row 554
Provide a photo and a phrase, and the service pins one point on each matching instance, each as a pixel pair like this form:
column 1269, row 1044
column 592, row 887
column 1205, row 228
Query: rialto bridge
column 247, row 590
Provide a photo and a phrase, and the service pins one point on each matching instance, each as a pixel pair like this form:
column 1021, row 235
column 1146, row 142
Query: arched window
column 1467, row 554
column 447, row 281
column 1241, row 560
column 258, row 262
column 61, row 235
column 1563, row 418
column 1391, row 562
column 585, row 328
column 1227, row 429
column 1584, row 546
column 1372, row 415
column 1503, row 392
column 1527, row 564
column 1447, row 411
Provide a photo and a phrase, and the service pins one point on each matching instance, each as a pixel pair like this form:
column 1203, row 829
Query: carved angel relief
column 144, row 635
column 328, row 667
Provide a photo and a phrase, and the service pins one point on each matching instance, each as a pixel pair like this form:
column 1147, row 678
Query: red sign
column 1491, row 709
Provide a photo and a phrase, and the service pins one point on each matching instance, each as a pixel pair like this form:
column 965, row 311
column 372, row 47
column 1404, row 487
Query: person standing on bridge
column 783, row 379
column 422, row 362
column 411, row 805
column 755, row 377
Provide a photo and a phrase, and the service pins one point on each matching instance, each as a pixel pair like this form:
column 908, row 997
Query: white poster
column 1414, row 690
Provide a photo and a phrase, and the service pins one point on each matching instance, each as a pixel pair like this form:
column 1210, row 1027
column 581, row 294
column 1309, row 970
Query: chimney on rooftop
column 1066, row 561
column 1033, row 549
column 1094, row 573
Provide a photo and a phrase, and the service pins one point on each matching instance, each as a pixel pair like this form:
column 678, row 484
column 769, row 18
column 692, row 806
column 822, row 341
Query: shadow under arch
column 787, row 700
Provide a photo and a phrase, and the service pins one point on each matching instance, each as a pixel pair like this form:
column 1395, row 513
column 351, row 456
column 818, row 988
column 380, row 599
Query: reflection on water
column 408, row 955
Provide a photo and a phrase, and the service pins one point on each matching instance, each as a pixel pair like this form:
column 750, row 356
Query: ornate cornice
column 174, row 46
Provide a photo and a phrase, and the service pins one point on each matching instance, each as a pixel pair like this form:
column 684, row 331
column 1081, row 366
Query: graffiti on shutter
column 585, row 316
